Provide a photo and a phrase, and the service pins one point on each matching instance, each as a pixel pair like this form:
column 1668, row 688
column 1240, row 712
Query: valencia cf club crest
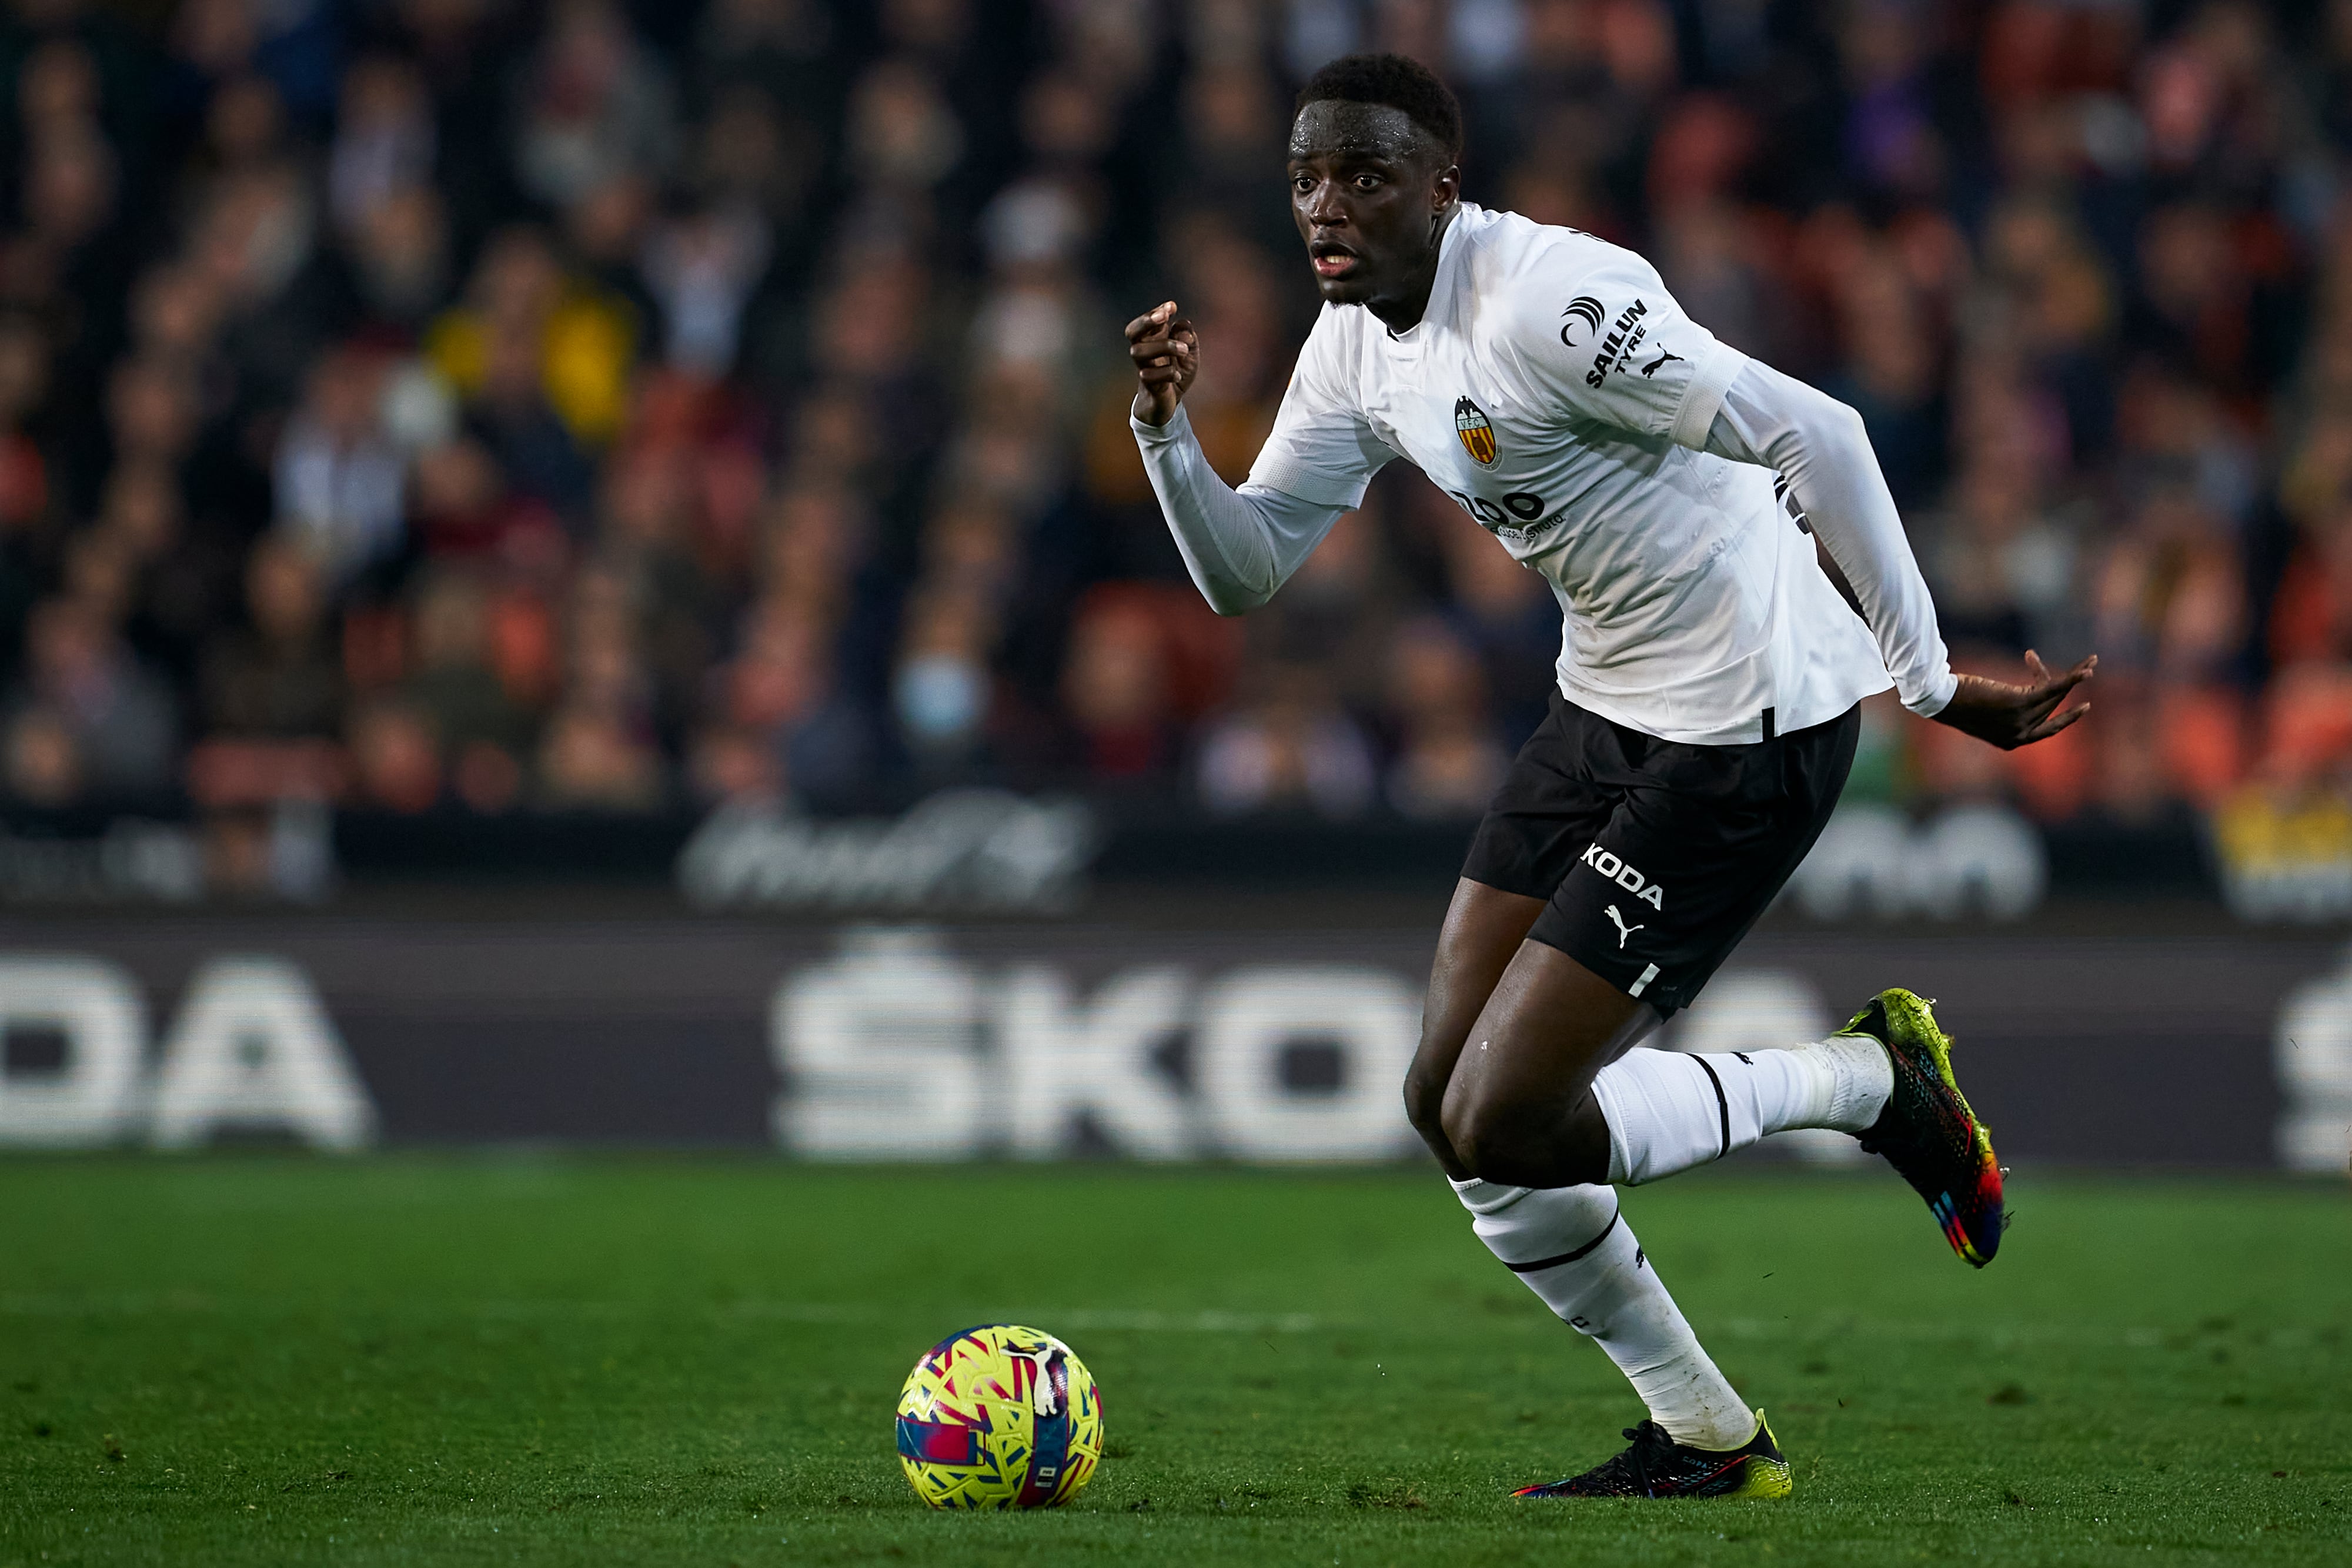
column 1477, row 435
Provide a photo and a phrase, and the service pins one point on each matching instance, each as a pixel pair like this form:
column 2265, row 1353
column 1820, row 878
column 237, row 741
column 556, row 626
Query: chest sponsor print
column 1477, row 435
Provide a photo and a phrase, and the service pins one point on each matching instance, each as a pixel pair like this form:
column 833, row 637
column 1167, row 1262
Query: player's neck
column 1402, row 311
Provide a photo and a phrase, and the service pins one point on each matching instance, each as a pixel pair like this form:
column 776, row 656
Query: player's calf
column 1572, row 1247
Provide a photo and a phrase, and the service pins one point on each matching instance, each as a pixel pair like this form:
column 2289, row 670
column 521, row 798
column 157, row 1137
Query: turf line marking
column 1106, row 1321
column 1188, row 1322
column 1083, row 1319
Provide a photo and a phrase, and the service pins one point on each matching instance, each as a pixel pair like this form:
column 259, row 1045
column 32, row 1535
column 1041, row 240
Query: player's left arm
column 1820, row 445
column 1594, row 331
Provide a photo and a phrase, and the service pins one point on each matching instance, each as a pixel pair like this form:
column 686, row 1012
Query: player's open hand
column 2012, row 715
column 1167, row 355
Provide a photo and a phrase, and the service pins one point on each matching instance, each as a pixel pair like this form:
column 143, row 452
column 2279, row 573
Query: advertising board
column 1034, row 1040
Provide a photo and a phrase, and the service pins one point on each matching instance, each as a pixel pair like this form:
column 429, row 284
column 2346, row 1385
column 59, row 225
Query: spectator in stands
column 398, row 250
column 1449, row 760
column 734, row 766
column 590, row 759
column 277, row 678
column 941, row 691
column 340, row 481
column 1505, row 612
column 385, row 139
column 119, row 719
column 1294, row 748
column 592, row 105
column 1118, row 688
column 44, row 765
column 396, row 758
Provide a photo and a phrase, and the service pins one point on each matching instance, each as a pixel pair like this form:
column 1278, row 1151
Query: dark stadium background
column 521, row 525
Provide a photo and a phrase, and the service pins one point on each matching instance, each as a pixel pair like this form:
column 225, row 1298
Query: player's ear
column 1446, row 188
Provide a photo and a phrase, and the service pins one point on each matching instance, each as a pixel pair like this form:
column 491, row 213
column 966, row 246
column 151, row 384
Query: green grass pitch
column 446, row 1360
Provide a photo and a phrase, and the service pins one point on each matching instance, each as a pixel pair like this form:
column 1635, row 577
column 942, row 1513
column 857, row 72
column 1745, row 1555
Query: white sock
column 1573, row 1249
column 1668, row 1110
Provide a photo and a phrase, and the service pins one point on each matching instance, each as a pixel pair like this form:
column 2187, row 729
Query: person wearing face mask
column 940, row 690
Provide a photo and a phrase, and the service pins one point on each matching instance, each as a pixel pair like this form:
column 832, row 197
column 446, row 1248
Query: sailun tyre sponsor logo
column 1477, row 435
column 1583, row 308
column 1624, row 339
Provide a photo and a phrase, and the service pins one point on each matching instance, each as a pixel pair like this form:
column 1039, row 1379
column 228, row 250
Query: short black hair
column 1397, row 81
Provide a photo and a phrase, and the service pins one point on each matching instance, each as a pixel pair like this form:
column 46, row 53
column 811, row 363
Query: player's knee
column 1425, row 1100
column 1489, row 1150
column 1526, row 1143
column 1483, row 1132
column 1429, row 1076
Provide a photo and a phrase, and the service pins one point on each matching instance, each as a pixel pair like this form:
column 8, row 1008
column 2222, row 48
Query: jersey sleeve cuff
column 1178, row 428
column 1938, row 696
column 1716, row 370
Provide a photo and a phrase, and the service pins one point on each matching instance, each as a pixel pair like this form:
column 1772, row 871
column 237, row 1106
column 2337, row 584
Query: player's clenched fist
column 1167, row 355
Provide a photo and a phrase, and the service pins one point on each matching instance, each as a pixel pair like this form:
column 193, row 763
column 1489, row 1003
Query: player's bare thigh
column 1484, row 927
column 1518, row 1107
column 1560, row 1016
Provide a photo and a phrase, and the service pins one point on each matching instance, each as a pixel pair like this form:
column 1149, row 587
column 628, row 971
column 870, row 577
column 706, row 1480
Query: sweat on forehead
column 1342, row 125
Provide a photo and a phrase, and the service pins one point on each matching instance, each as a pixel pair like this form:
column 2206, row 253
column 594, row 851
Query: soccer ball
column 1001, row 1416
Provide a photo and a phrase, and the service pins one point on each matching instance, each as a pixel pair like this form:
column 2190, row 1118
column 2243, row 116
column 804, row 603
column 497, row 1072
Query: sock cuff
column 1612, row 1114
column 1485, row 1196
column 1862, row 1079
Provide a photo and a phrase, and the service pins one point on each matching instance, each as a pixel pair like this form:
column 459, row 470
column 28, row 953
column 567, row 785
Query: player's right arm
column 1241, row 545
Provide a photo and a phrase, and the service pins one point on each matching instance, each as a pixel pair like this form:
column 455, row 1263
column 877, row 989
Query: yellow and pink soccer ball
column 1000, row 1417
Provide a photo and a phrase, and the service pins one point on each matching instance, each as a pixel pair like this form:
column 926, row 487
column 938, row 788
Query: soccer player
column 1672, row 491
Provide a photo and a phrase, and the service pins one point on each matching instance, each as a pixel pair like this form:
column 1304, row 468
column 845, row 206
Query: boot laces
column 1651, row 1445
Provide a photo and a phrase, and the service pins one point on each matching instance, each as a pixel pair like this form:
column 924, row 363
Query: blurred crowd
column 488, row 405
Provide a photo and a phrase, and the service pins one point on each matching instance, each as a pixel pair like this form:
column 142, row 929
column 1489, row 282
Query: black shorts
column 1654, row 857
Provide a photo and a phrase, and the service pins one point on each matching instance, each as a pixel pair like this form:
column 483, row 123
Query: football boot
column 1657, row 1465
column 1927, row 1131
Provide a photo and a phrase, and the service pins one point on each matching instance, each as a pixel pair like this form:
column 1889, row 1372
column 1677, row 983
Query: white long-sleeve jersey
column 1556, row 391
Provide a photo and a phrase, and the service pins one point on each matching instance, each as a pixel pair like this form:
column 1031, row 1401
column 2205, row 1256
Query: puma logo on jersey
column 1664, row 354
column 1643, row 890
column 1584, row 309
column 1624, row 930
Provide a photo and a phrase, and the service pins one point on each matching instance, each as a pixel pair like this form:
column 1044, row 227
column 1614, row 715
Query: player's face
column 1369, row 191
